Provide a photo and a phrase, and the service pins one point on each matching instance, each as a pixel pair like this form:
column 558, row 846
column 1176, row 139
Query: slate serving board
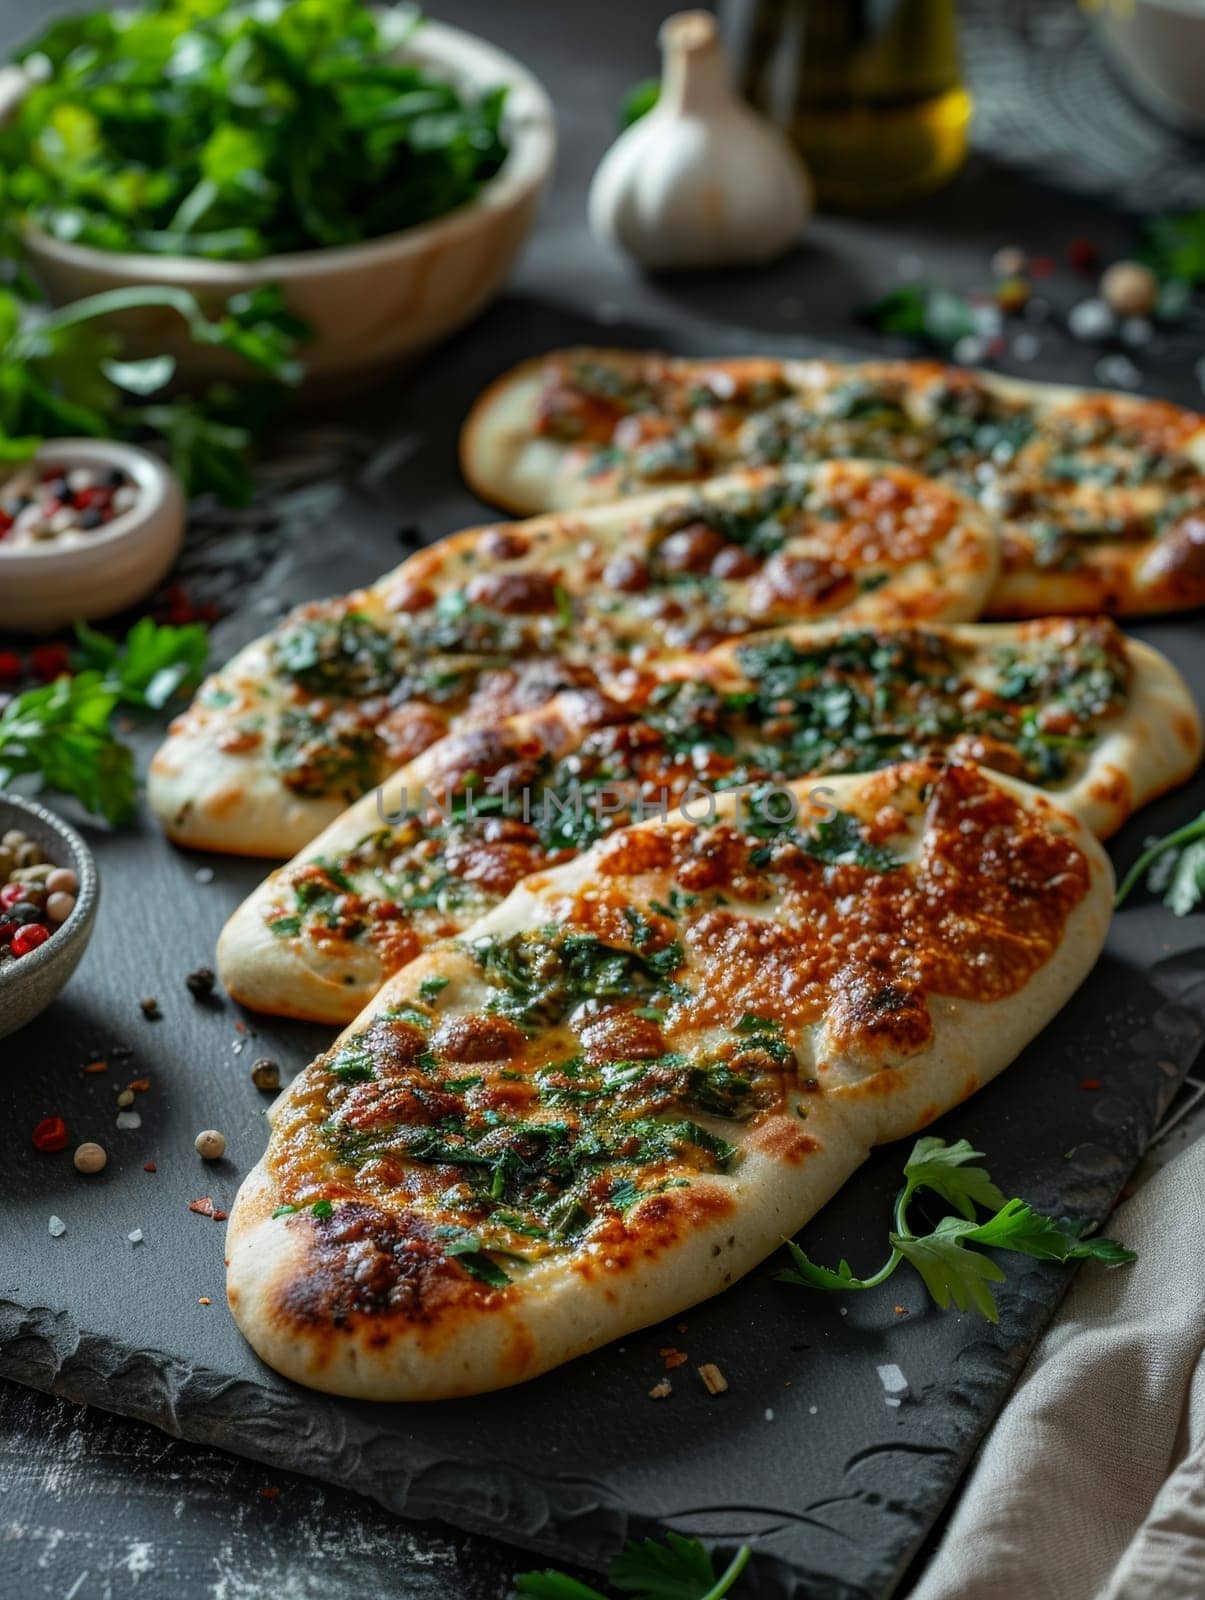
column 802, row 1455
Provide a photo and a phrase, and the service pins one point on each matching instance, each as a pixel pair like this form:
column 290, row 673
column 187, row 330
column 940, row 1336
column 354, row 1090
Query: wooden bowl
column 372, row 306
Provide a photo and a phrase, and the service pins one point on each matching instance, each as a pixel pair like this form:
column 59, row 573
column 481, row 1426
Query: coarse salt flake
column 128, row 1119
column 892, row 1379
column 135, row 1237
column 57, row 1227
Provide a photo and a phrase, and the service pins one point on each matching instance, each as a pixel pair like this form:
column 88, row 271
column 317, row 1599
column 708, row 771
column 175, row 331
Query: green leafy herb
column 841, row 841
column 925, row 312
column 678, row 1569
column 283, row 1211
column 236, row 131
column 61, row 734
column 638, row 102
column 431, row 988
column 1173, row 866
column 1175, row 247
column 467, row 1251
column 322, row 1209
column 61, row 373
column 539, row 977
column 952, row 1269
column 154, row 662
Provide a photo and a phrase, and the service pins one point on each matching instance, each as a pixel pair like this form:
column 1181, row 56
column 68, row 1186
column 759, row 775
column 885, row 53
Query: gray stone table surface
column 97, row 1506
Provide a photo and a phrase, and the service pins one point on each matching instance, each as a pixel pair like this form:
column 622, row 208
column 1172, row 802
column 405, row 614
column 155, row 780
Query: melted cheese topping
column 1063, row 475
column 514, row 803
column 471, row 629
column 532, row 1090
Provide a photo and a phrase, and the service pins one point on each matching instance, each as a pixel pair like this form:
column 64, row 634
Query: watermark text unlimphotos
column 766, row 805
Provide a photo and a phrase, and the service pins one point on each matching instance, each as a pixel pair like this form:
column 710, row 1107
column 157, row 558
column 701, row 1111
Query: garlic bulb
column 701, row 179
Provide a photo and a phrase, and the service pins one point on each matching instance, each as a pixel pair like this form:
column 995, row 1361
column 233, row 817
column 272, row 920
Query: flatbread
column 1102, row 722
column 625, row 1086
column 492, row 620
column 1099, row 497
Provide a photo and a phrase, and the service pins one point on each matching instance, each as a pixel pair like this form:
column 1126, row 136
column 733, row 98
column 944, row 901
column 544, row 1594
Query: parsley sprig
column 679, row 1569
column 926, row 312
column 237, row 129
column 61, row 733
column 64, row 373
column 953, row 1270
column 1173, row 866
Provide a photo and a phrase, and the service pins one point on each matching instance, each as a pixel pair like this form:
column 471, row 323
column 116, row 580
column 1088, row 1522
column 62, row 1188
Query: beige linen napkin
column 1091, row 1486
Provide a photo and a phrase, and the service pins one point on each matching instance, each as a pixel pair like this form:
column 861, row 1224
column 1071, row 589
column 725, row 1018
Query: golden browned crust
column 385, row 1278
column 1085, row 498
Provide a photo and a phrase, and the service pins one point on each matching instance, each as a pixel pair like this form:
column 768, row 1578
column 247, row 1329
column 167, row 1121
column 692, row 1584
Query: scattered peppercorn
column 1012, row 294
column 1129, row 289
column 60, row 504
column 90, row 1158
column 49, row 661
column 200, row 983
column 1008, row 262
column 150, row 1008
column 265, row 1073
column 50, row 1134
column 1083, row 256
column 210, row 1145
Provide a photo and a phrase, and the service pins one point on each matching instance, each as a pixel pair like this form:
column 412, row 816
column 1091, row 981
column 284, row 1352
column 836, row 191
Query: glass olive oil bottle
column 870, row 91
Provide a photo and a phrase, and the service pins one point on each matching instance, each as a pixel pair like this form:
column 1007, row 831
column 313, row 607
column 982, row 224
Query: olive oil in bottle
column 870, row 91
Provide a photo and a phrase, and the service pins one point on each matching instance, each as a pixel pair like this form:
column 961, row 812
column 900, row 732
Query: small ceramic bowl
column 50, row 584
column 372, row 306
column 29, row 985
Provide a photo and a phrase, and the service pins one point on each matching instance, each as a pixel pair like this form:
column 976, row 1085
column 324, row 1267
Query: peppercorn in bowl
column 87, row 528
column 48, row 896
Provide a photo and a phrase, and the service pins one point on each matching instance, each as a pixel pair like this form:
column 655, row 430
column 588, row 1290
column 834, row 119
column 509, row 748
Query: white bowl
column 1159, row 45
column 372, row 306
column 46, row 586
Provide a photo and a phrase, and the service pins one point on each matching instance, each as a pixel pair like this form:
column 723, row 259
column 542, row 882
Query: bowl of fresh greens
column 383, row 170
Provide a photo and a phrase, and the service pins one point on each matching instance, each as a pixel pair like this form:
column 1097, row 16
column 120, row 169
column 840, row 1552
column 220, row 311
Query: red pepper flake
column 1089, row 1083
column 900, row 1311
column 1041, row 267
column 96, row 1066
column 150, row 1167
column 204, row 1300
column 269, row 1492
column 1083, row 256
column 49, row 661
column 10, row 666
column 672, row 1357
column 139, row 1084
column 206, row 1208
column 50, row 1134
